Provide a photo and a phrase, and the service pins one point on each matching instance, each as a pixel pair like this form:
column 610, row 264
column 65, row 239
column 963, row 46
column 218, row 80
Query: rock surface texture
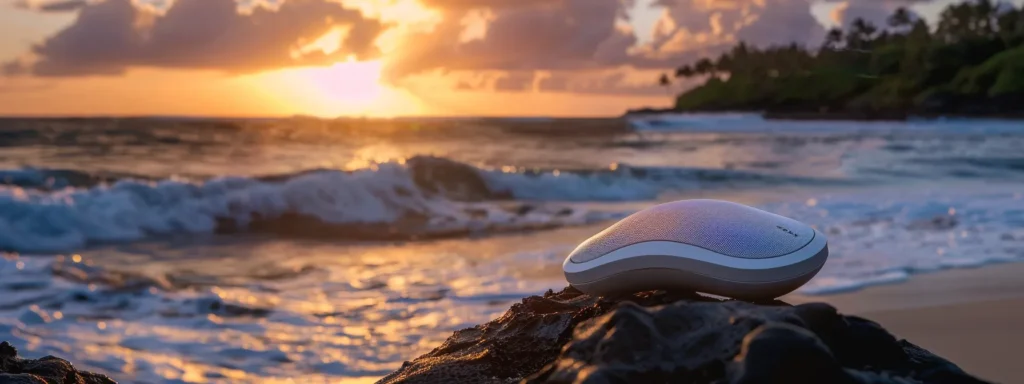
column 657, row 337
column 46, row 370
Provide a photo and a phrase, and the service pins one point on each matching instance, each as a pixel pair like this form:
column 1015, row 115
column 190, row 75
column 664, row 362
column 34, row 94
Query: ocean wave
column 887, row 235
column 621, row 182
column 52, row 179
column 422, row 197
column 1014, row 164
column 700, row 121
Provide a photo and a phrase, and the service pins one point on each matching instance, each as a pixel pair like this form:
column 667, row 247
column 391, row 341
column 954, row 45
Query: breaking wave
column 422, row 197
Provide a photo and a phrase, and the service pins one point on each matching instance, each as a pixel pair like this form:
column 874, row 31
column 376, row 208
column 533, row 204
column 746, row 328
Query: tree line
column 970, row 62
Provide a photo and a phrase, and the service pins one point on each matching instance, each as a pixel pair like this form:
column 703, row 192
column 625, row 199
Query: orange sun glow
column 350, row 88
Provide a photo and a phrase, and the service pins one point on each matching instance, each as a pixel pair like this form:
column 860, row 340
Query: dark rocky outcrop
column 658, row 337
column 46, row 370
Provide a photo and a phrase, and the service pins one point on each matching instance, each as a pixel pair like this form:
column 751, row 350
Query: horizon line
column 295, row 116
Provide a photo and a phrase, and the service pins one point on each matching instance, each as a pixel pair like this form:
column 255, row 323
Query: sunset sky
column 379, row 57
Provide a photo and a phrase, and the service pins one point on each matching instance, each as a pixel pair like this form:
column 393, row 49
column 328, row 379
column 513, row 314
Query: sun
column 353, row 83
column 350, row 88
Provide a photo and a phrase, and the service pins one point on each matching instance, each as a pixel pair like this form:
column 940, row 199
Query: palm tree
column 664, row 81
column 860, row 35
column 685, row 71
column 958, row 22
column 984, row 15
column 725, row 63
column 901, row 18
column 704, row 66
column 863, row 29
column 1011, row 26
column 833, row 38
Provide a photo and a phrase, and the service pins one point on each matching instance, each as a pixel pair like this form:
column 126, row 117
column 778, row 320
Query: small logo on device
column 787, row 231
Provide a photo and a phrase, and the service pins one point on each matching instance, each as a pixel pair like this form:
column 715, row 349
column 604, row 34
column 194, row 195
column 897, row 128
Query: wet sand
column 971, row 317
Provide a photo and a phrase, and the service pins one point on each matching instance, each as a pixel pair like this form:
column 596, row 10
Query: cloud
column 875, row 12
column 703, row 25
column 523, row 45
column 521, row 35
column 626, row 81
column 573, row 38
column 111, row 36
column 51, row 6
column 515, row 81
column 554, row 84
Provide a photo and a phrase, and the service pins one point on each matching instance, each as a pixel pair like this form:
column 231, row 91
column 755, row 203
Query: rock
column 788, row 354
column 45, row 370
column 660, row 337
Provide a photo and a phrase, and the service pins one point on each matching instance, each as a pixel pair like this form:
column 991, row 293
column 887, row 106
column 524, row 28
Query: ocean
column 304, row 250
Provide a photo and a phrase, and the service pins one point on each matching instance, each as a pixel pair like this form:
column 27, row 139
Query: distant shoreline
column 834, row 115
column 967, row 63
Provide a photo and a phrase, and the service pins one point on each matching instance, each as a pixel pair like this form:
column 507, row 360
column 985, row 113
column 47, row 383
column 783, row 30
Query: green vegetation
column 972, row 62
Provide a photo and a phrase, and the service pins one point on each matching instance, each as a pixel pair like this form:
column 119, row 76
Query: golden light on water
column 369, row 156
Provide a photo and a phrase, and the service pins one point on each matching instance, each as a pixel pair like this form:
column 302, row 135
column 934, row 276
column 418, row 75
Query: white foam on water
column 33, row 220
column 695, row 121
column 606, row 186
column 69, row 219
column 883, row 236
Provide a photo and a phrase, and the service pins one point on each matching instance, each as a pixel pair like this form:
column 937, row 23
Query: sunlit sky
column 379, row 57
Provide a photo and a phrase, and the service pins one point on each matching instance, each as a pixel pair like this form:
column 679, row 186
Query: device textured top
column 727, row 228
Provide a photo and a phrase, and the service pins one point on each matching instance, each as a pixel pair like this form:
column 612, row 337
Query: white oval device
column 709, row 246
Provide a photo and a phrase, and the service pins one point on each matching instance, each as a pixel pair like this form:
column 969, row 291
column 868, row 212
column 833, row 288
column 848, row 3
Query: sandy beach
column 968, row 316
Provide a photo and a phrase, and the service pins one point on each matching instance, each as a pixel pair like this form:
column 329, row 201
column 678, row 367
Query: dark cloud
column 553, row 84
column 113, row 35
column 51, row 6
column 515, row 81
column 614, row 83
column 12, row 68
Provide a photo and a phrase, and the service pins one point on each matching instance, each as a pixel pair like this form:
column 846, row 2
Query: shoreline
column 992, row 282
column 865, row 116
